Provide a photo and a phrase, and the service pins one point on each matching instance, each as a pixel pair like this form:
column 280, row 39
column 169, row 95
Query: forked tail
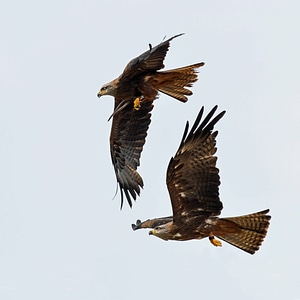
column 249, row 233
column 175, row 82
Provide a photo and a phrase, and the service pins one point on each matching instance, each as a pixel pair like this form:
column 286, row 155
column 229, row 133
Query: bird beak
column 151, row 232
column 99, row 94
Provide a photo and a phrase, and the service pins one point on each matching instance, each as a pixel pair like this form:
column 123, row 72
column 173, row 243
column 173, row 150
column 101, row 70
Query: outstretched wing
column 151, row 60
column 127, row 138
column 192, row 177
column 151, row 223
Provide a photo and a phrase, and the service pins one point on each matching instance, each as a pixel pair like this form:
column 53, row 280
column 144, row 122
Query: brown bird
column 193, row 184
column 134, row 92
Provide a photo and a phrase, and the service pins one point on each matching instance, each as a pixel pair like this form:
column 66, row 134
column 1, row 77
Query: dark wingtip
column 136, row 225
column 179, row 34
column 175, row 36
column 171, row 38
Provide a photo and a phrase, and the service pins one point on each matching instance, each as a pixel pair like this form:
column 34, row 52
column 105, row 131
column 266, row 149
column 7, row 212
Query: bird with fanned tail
column 193, row 183
column 134, row 92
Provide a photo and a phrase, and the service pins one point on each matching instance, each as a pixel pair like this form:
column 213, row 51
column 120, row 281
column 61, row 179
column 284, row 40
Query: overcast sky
column 62, row 235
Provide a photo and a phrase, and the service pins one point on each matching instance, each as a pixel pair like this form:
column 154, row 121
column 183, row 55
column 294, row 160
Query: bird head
column 107, row 89
column 161, row 231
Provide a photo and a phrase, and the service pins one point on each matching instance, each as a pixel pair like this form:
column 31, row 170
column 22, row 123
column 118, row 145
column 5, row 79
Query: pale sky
column 62, row 235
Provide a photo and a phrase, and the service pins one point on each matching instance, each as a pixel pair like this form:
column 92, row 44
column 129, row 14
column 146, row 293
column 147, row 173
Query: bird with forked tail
column 134, row 92
column 193, row 184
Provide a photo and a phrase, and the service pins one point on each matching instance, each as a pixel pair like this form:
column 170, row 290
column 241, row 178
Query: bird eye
column 104, row 88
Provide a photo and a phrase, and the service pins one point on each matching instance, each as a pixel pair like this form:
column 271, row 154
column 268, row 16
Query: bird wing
column 151, row 223
column 192, row 177
column 127, row 138
column 151, row 60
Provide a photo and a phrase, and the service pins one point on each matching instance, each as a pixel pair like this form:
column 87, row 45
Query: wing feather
column 127, row 138
column 151, row 223
column 192, row 176
column 151, row 60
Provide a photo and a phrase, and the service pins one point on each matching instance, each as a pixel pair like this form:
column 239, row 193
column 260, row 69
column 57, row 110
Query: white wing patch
column 211, row 221
column 178, row 235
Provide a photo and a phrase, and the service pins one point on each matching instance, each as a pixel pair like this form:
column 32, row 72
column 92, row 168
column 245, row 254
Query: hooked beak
column 99, row 94
column 151, row 232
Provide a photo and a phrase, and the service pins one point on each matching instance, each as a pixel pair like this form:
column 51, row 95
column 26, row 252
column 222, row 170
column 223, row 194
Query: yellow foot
column 137, row 103
column 215, row 242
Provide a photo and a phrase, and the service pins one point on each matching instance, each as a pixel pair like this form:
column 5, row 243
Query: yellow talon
column 215, row 242
column 137, row 103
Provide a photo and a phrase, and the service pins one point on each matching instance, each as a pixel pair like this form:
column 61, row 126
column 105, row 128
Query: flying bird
column 193, row 184
column 134, row 92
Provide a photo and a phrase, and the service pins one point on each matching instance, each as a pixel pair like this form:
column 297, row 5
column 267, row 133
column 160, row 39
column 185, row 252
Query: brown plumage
column 193, row 184
column 134, row 92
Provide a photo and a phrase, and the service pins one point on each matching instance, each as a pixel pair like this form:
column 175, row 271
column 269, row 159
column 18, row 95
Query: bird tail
column 175, row 82
column 245, row 232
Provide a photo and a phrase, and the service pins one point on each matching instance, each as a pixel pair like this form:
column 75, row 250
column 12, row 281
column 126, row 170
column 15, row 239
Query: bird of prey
column 193, row 184
column 134, row 92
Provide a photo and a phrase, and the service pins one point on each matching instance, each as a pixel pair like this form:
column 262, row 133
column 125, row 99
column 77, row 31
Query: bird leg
column 137, row 102
column 214, row 241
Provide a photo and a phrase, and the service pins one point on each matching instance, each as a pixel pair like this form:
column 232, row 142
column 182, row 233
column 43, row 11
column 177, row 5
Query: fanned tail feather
column 174, row 82
column 249, row 233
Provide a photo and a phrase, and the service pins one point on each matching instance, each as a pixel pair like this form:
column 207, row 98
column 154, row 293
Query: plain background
column 62, row 235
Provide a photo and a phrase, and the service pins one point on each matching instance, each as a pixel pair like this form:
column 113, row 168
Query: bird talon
column 214, row 241
column 137, row 103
